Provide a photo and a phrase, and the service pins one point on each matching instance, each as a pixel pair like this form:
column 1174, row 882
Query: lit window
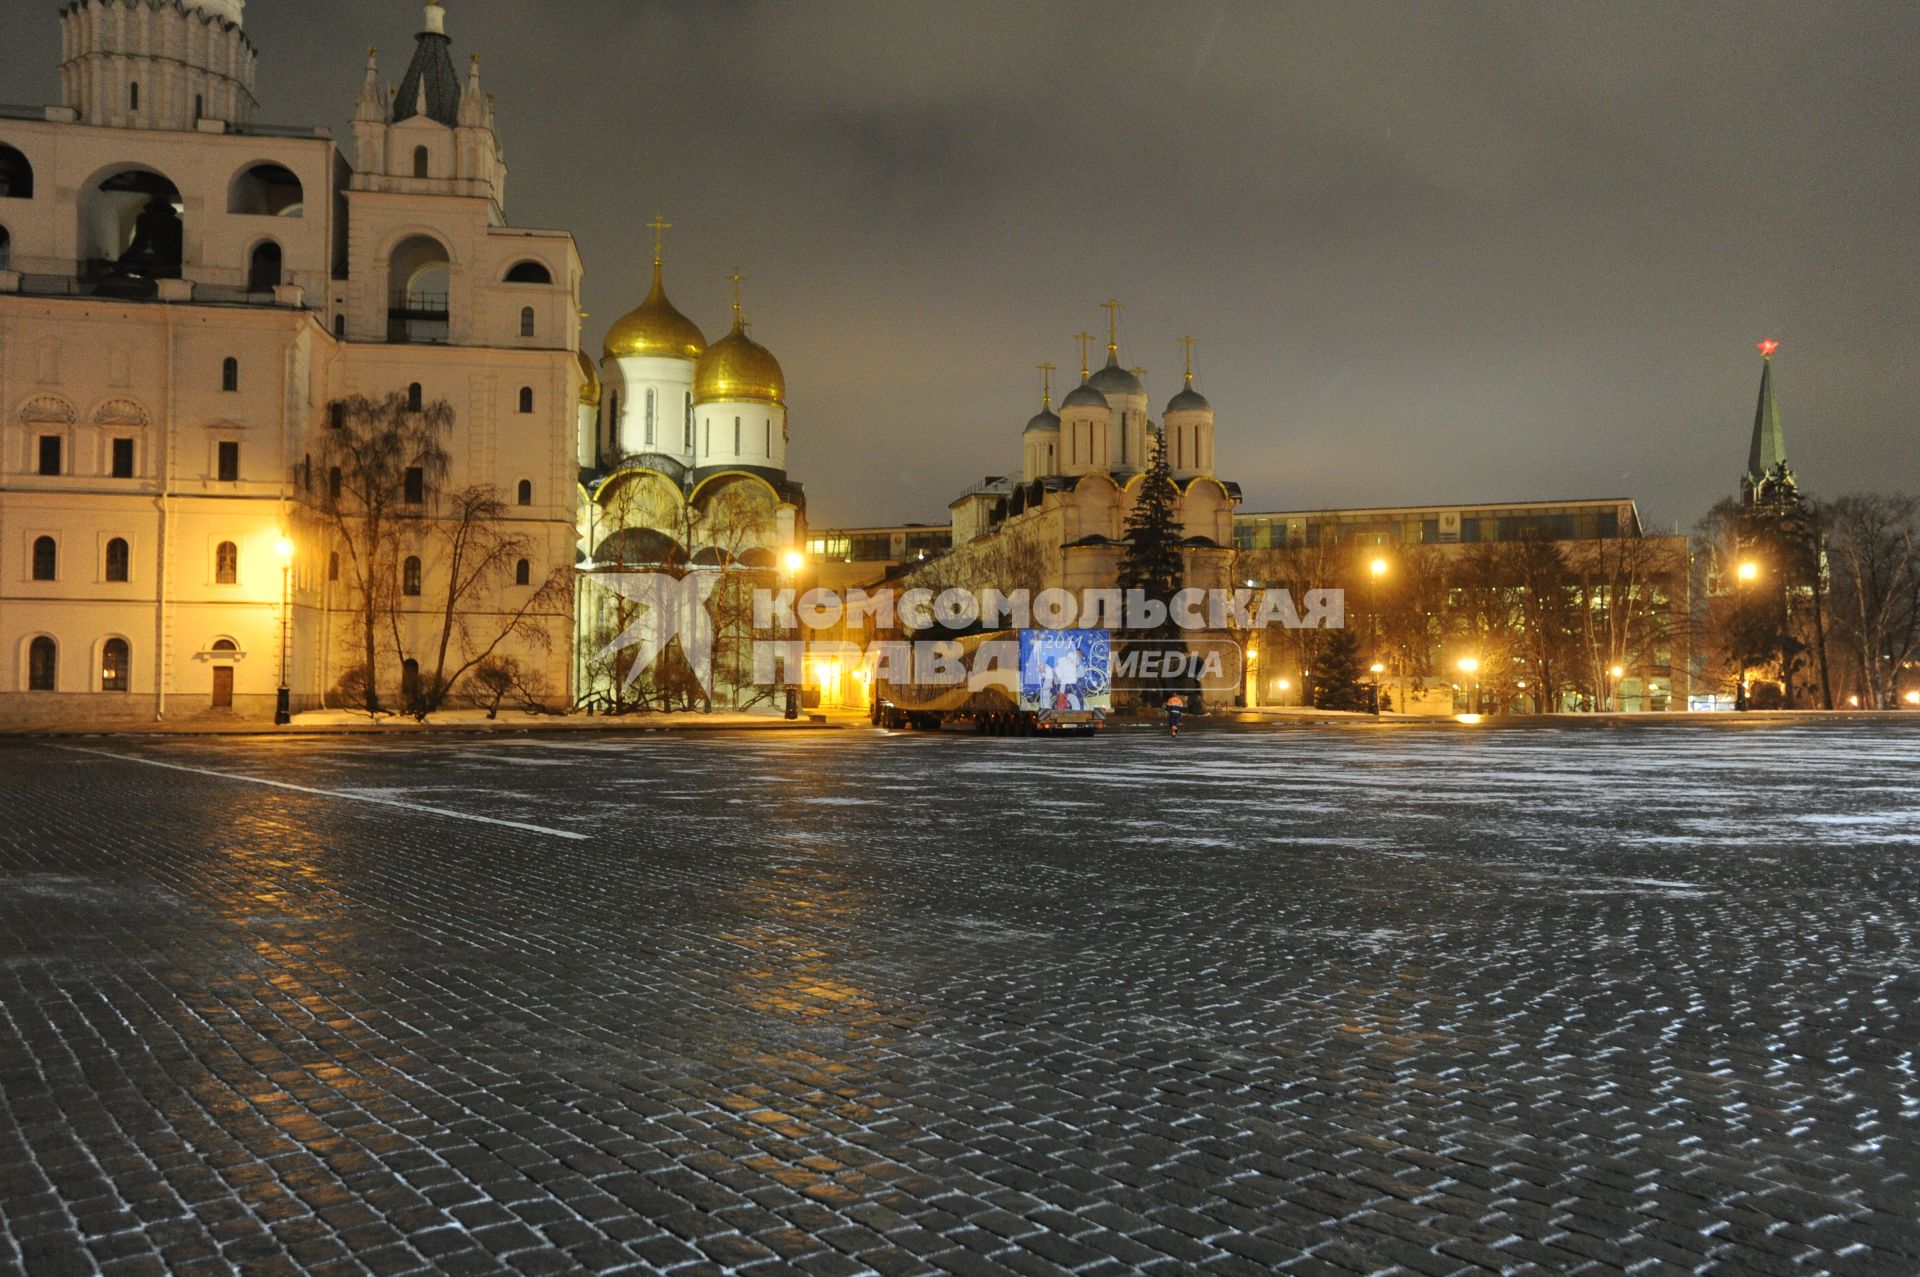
column 226, row 564
column 410, row 577
column 116, row 661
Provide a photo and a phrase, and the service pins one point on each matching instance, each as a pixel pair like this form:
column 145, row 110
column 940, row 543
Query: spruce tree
column 1336, row 673
column 1152, row 564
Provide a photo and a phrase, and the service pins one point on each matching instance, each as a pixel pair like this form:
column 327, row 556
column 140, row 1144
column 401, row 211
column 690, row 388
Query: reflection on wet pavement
column 1295, row 1001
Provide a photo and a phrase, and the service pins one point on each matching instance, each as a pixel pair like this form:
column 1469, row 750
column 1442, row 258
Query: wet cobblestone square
column 1419, row 1001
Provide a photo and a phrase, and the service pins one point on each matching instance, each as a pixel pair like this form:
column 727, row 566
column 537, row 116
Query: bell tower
column 172, row 64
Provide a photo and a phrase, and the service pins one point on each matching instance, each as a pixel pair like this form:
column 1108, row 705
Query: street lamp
column 791, row 563
column 1470, row 666
column 1615, row 673
column 1378, row 669
column 283, row 703
column 1748, row 573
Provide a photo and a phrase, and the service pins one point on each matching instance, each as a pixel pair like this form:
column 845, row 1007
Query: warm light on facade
column 284, row 548
column 793, row 561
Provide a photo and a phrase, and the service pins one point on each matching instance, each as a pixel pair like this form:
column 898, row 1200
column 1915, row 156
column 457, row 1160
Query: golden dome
column 590, row 383
column 739, row 368
column 654, row 327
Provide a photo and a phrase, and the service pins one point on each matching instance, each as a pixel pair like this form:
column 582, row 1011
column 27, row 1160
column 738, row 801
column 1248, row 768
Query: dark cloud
column 1433, row 252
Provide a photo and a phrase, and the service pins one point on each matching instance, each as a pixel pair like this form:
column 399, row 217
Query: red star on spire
column 1767, row 348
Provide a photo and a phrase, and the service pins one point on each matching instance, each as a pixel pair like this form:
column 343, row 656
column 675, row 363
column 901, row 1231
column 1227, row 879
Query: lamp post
column 1378, row 669
column 283, row 703
column 792, row 562
column 1470, row 666
column 1614, row 675
column 1748, row 573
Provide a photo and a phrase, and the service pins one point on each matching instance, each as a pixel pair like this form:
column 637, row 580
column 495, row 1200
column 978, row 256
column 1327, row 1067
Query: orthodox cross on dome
column 1085, row 339
column 1046, row 385
column 1139, row 374
column 1767, row 347
column 1113, row 309
column 659, row 226
column 1188, row 342
column 738, row 279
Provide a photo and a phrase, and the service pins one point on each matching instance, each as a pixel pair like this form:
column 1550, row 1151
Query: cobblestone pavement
column 1303, row 1001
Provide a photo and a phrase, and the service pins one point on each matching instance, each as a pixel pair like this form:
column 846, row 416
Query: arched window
column 526, row 321
column 419, row 290
column 43, row 659
column 526, row 492
column 230, row 374
column 266, row 190
column 116, row 663
column 523, row 573
column 263, row 268
column 199, row 106
column 410, row 577
column 526, row 399
column 46, row 558
column 419, row 161
column 769, row 436
column 333, row 483
column 333, row 566
column 529, row 273
column 410, row 680
column 649, row 417
column 226, row 564
column 117, row 560
column 16, row 175
column 688, row 418
column 6, row 249
column 415, row 400
column 133, row 96
column 736, row 436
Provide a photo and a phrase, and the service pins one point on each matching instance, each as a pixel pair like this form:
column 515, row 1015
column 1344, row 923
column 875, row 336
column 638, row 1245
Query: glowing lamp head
column 1767, row 348
column 1468, row 665
column 793, row 561
column 1616, row 671
column 1377, row 668
column 1378, row 567
column 284, row 548
column 1749, row 571
column 1286, row 684
column 1913, row 698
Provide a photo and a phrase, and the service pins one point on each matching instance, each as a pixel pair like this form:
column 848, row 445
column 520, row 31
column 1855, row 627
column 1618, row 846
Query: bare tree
column 380, row 458
column 1873, row 542
column 479, row 554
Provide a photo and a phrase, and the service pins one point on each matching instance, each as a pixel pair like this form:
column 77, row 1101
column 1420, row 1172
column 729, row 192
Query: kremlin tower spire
column 1768, row 479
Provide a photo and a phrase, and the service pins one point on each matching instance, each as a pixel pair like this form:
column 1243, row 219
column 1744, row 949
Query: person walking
column 1176, row 706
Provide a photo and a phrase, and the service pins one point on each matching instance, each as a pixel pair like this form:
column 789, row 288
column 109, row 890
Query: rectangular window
column 769, row 439
column 736, row 436
column 416, row 485
column 229, row 461
column 123, row 458
column 49, row 454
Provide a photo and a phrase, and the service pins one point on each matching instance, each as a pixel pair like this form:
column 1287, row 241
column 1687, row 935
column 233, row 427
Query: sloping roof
column 432, row 67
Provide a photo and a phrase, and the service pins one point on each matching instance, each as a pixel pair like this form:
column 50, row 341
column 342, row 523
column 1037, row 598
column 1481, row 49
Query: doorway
column 223, row 687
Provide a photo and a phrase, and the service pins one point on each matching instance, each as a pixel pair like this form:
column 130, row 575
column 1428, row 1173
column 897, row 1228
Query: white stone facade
column 161, row 404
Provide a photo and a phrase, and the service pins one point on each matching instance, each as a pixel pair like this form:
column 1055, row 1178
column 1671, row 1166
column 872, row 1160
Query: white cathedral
column 184, row 292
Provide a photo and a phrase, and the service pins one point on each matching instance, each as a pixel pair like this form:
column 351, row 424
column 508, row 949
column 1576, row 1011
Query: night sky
column 1431, row 252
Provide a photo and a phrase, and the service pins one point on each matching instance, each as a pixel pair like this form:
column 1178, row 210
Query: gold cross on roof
column 1046, row 385
column 738, row 279
column 1084, row 339
column 659, row 226
column 1113, row 309
column 1188, row 342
